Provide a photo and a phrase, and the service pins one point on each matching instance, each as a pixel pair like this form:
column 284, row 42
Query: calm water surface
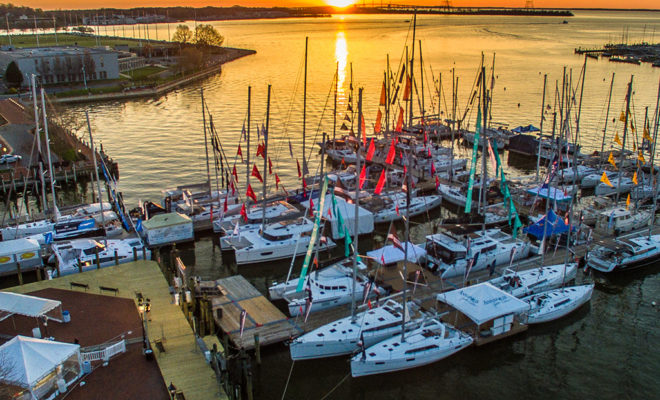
column 608, row 351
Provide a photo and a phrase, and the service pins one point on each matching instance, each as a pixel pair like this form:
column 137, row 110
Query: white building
column 63, row 64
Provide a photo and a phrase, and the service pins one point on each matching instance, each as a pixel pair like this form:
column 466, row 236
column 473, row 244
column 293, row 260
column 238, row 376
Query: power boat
column 450, row 254
column 619, row 219
column 431, row 342
column 625, row 254
column 535, row 280
column 276, row 241
column 342, row 336
column 603, row 189
column 554, row 304
column 77, row 255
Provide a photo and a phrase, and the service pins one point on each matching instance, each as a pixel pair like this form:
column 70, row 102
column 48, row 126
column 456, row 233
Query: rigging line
column 335, row 387
column 293, row 95
column 318, row 128
column 288, row 379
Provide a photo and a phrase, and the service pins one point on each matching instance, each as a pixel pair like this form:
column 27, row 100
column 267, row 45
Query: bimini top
column 391, row 254
column 483, row 302
column 31, row 359
column 30, row 306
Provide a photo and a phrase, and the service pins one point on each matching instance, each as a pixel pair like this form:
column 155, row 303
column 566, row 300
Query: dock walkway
column 181, row 362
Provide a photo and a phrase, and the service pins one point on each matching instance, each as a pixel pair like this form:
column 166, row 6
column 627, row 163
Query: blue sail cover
column 556, row 226
column 526, row 129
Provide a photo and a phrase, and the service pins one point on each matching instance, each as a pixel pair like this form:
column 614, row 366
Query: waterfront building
column 63, row 64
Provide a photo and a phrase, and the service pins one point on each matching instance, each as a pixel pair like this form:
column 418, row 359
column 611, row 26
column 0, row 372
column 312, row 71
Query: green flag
column 312, row 239
column 475, row 149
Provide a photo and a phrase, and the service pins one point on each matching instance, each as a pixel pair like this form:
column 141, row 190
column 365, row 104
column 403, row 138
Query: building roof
column 19, row 246
column 32, row 52
column 31, row 359
column 165, row 220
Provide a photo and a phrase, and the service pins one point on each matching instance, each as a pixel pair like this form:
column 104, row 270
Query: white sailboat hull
column 559, row 303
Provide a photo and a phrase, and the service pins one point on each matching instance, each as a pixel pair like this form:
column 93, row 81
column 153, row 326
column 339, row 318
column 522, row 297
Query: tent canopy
column 31, row 359
column 556, row 226
column 483, row 302
column 392, row 254
column 526, row 129
column 550, row 193
column 30, row 306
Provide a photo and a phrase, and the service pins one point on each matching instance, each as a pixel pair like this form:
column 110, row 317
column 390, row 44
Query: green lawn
column 144, row 72
column 30, row 40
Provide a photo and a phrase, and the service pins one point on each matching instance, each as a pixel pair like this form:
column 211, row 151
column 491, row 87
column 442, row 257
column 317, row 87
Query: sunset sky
column 76, row 4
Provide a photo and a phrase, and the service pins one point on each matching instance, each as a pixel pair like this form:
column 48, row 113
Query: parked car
column 9, row 158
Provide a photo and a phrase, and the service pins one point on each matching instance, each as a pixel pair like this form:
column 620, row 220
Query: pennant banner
column 312, row 239
column 475, row 148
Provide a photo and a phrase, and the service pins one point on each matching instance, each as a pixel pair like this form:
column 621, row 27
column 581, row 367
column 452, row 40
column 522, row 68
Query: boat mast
column 334, row 111
column 37, row 134
column 96, row 169
column 405, row 248
column 305, row 171
column 421, row 78
column 357, row 205
column 607, row 117
column 50, row 161
column 654, row 179
column 454, row 89
column 538, row 155
column 412, row 62
column 387, row 103
column 206, row 146
column 247, row 136
column 623, row 144
column 263, row 206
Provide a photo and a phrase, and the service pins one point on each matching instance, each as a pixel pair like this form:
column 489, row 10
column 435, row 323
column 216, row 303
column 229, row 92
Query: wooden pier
column 262, row 318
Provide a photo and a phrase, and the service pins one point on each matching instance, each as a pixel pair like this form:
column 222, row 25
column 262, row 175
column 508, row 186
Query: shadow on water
column 616, row 283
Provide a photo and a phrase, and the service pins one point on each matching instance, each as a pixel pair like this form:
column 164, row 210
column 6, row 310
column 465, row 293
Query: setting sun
column 340, row 3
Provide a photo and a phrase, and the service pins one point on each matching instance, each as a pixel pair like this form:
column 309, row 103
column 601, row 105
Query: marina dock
column 171, row 336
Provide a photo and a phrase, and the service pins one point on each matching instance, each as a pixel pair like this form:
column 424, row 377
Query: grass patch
column 94, row 90
column 63, row 39
column 144, row 73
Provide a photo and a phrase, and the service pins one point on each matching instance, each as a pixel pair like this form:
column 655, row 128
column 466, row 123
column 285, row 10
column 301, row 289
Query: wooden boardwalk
column 262, row 317
column 182, row 363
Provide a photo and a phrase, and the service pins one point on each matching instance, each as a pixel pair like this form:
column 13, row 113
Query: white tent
column 391, row 254
column 30, row 306
column 37, row 365
column 483, row 302
column 347, row 211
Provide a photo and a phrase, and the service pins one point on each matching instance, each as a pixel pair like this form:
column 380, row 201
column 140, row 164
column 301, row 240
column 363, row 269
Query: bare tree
column 7, row 376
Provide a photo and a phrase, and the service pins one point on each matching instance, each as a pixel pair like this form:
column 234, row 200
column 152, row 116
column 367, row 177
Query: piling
column 38, row 274
column 20, row 274
column 257, row 349
column 79, row 265
column 98, row 259
column 135, row 258
column 116, row 258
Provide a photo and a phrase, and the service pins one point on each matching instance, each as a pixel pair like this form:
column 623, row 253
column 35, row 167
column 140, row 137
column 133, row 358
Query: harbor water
column 606, row 351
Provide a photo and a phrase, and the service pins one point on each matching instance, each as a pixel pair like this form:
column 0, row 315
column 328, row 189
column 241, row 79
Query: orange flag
column 383, row 95
column 379, row 116
column 605, row 180
column 406, row 90
column 399, row 121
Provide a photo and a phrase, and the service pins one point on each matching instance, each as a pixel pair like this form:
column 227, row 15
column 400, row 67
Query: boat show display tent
column 38, row 368
column 556, row 226
column 29, row 306
column 483, row 302
column 391, row 254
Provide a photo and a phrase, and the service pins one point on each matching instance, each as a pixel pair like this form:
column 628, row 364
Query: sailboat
column 554, row 304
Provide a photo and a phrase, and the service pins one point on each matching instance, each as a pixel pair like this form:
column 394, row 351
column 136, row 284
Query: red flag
column 378, row 125
column 239, row 152
column 363, row 176
column 260, row 150
column 224, row 207
column 382, row 258
column 233, row 188
column 270, row 167
column 277, row 182
column 299, row 173
column 244, row 213
column 371, row 150
column 311, row 207
column 429, row 149
column 363, row 127
column 432, row 169
column 396, row 207
column 369, row 304
column 250, row 193
column 437, row 183
column 381, row 182
column 383, row 95
column 233, row 172
column 426, row 139
column 342, row 163
column 391, row 153
column 399, row 121
column 211, row 214
column 256, row 174
column 304, row 183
